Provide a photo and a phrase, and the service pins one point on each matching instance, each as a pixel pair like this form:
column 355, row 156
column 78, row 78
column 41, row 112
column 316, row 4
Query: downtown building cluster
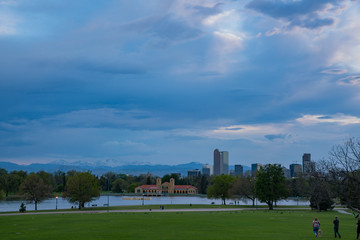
column 221, row 166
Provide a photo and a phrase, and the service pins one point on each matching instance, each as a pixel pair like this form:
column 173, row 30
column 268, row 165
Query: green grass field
column 260, row 224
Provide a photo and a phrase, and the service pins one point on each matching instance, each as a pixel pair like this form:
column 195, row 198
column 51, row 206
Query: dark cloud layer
column 303, row 13
column 149, row 81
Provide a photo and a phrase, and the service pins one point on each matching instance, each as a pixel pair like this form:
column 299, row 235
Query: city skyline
column 148, row 82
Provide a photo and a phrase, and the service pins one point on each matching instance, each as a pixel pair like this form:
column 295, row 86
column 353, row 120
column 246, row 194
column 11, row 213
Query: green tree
column 119, row 185
column 10, row 182
column 3, row 180
column 60, row 181
column 203, row 183
column 244, row 188
column 35, row 189
column 298, row 186
column 131, row 187
column 270, row 185
column 2, row 194
column 220, row 187
column 167, row 177
column 107, row 180
column 48, row 178
column 82, row 187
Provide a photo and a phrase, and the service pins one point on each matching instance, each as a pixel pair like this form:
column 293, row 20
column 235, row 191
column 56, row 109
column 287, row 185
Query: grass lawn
column 260, row 224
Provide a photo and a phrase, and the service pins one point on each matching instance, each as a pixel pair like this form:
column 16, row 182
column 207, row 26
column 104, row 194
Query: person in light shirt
column 316, row 226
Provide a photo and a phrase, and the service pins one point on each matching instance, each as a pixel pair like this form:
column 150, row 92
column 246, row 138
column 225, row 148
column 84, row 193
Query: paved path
column 343, row 211
column 340, row 210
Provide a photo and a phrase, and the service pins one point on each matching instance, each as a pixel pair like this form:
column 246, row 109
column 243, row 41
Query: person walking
column 358, row 229
column 316, row 227
column 336, row 227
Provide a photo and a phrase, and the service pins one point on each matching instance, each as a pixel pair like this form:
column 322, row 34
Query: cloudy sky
column 168, row 81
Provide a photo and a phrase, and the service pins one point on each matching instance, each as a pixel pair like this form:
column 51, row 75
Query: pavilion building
column 165, row 188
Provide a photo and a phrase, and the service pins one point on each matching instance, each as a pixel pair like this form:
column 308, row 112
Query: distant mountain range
column 99, row 169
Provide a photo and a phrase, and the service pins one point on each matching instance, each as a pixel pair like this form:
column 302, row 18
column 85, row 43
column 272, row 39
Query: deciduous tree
column 220, row 187
column 244, row 188
column 343, row 167
column 270, row 184
column 35, row 189
column 119, row 185
column 82, row 187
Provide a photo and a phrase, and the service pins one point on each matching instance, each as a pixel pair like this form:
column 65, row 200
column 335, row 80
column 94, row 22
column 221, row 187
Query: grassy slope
column 197, row 225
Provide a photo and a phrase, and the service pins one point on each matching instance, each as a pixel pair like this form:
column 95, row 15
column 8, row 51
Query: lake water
column 61, row 203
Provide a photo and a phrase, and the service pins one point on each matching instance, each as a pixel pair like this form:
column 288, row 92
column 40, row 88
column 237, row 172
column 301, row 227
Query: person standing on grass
column 358, row 229
column 316, row 226
column 336, row 227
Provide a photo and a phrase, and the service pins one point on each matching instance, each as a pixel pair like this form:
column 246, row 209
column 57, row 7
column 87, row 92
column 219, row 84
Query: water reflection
column 50, row 204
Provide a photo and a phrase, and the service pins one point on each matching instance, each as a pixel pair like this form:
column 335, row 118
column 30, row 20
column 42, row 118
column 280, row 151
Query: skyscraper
column 194, row 173
column 295, row 170
column 224, row 158
column 306, row 163
column 239, row 170
column 217, row 163
column 221, row 162
column 254, row 168
column 206, row 170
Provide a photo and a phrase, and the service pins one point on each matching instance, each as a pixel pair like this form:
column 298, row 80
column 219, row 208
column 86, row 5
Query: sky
column 167, row 82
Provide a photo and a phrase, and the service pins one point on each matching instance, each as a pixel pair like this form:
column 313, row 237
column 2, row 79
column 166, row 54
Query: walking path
column 340, row 210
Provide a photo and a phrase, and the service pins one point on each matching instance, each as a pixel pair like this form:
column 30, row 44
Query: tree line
column 80, row 187
column 336, row 178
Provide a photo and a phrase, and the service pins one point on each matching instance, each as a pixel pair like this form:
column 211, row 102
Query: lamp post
column 56, row 201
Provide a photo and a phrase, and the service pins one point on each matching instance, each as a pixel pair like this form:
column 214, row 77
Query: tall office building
column 194, row 173
column 295, row 169
column 224, row 158
column 221, row 162
column 307, row 166
column 206, row 170
column 239, row 170
column 217, row 163
column 254, row 168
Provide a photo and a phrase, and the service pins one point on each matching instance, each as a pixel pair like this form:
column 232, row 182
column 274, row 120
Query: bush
column 323, row 204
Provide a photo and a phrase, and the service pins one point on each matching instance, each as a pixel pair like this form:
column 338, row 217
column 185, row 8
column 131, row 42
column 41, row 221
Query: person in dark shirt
column 336, row 227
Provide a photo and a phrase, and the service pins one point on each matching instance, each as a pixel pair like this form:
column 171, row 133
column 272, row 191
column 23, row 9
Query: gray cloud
column 208, row 11
column 304, row 13
column 166, row 29
column 350, row 80
column 273, row 137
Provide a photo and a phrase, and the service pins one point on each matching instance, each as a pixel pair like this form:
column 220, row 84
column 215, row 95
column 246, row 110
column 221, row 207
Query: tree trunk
column 80, row 205
column 224, row 201
column 253, row 200
column 35, row 205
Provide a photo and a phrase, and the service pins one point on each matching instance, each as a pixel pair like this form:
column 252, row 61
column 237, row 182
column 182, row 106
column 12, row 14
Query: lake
column 61, row 203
